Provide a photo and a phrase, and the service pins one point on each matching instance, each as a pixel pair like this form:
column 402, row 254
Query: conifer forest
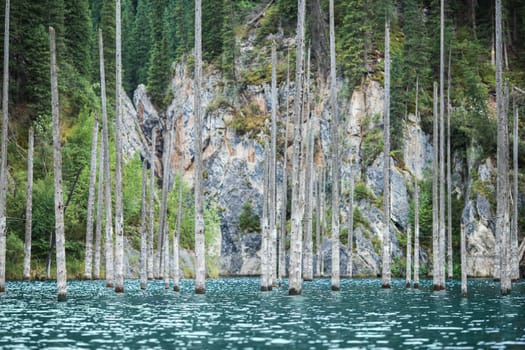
column 252, row 174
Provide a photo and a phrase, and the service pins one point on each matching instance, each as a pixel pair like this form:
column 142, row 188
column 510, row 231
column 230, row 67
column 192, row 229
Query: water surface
column 234, row 314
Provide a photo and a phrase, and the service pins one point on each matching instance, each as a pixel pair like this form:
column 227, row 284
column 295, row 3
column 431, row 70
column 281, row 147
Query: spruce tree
column 77, row 35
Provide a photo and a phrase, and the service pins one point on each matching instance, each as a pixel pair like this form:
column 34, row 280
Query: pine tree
column 158, row 72
column 141, row 46
column 107, row 24
column 212, row 24
column 77, row 34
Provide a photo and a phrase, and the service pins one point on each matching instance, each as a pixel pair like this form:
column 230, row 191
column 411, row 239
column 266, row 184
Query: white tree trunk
column 386, row 273
column 88, row 262
column 108, row 249
column 176, row 236
column 143, row 230
column 514, row 233
column 163, row 224
column 29, row 205
column 435, row 194
column 318, row 222
column 57, row 171
column 119, row 217
column 408, row 271
column 295, row 281
column 442, row 150
column 463, row 262
column 3, row 165
column 266, row 284
column 449, row 176
column 273, row 166
column 503, row 190
column 200, row 264
column 323, row 219
column 151, row 233
column 100, row 209
column 308, row 273
column 349, row 252
column 416, row 204
column 335, row 283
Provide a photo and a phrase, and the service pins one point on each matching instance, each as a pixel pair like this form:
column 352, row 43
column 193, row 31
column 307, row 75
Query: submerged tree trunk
column 335, row 283
column 108, row 250
column 408, row 271
column 323, row 219
column 272, row 214
column 503, row 190
column 349, row 252
column 295, row 281
column 200, row 267
column 57, row 171
column 449, row 176
column 163, row 224
column 143, row 229
column 515, row 264
column 266, row 284
column 416, row 204
column 386, row 273
column 29, row 205
column 435, row 194
column 100, row 209
column 441, row 280
column 119, row 217
column 284, row 201
column 463, row 262
column 176, row 236
column 318, row 222
column 91, row 204
column 308, row 273
column 151, row 263
column 3, row 165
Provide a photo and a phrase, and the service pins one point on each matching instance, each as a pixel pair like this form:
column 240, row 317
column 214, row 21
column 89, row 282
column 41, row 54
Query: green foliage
column 372, row 146
column 249, row 221
column 14, row 256
column 77, row 35
column 362, row 192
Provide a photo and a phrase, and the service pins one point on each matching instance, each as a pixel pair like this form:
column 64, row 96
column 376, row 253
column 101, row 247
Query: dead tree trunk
column 435, row 194
column 335, row 283
column 514, row 233
column 266, row 284
column 151, row 263
column 349, row 251
column 107, row 175
column 57, row 171
column 408, row 271
column 29, row 205
column 143, row 229
column 200, row 267
column 318, row 222
column 119, row 217
column 416, row 204
column 463, row 262
column 503, row 190
column 163, row 231
column 386, row 273
column 272, row 209
column 449, row 175
column 3, row 165
column 100, row 209
column 91, row 204
column 441, row 280
column 176, row 237
column 295, row 285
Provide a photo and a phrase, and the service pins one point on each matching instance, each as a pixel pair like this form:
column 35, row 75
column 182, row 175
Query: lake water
column 234, row 314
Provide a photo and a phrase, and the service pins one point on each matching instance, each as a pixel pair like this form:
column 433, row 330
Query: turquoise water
column 234, row 314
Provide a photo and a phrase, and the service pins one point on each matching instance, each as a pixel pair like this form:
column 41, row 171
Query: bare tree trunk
column 318, row 222
column 335, row 156
column 503, row 190
column 473, row 4
column 57, row 166
column 416, row 204
column 107, row 175
column 416, row 233
column 449, row 175
column 200, row 267
column 435, row 194
column 514, row 233
column 386, row 273
column 308, row 273
column 284, row 204
column 100, row 209
column 176, row 236
column 143, row 229
column 295, row 281
column 91, row 204
column 3, row 165
column 349, row 252
column 408, row 271
column 323, row 219
column 29, row 205
column 119, row 217
column 273, row 166
column 163, row 225
column 266, row 284
column 463, row 262
column 442, row 150
column 151, row 264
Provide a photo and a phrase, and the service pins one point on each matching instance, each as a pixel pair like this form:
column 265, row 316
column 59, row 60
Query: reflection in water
column 234, row 314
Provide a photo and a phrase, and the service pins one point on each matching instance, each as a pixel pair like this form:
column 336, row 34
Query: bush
column 249, row 221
